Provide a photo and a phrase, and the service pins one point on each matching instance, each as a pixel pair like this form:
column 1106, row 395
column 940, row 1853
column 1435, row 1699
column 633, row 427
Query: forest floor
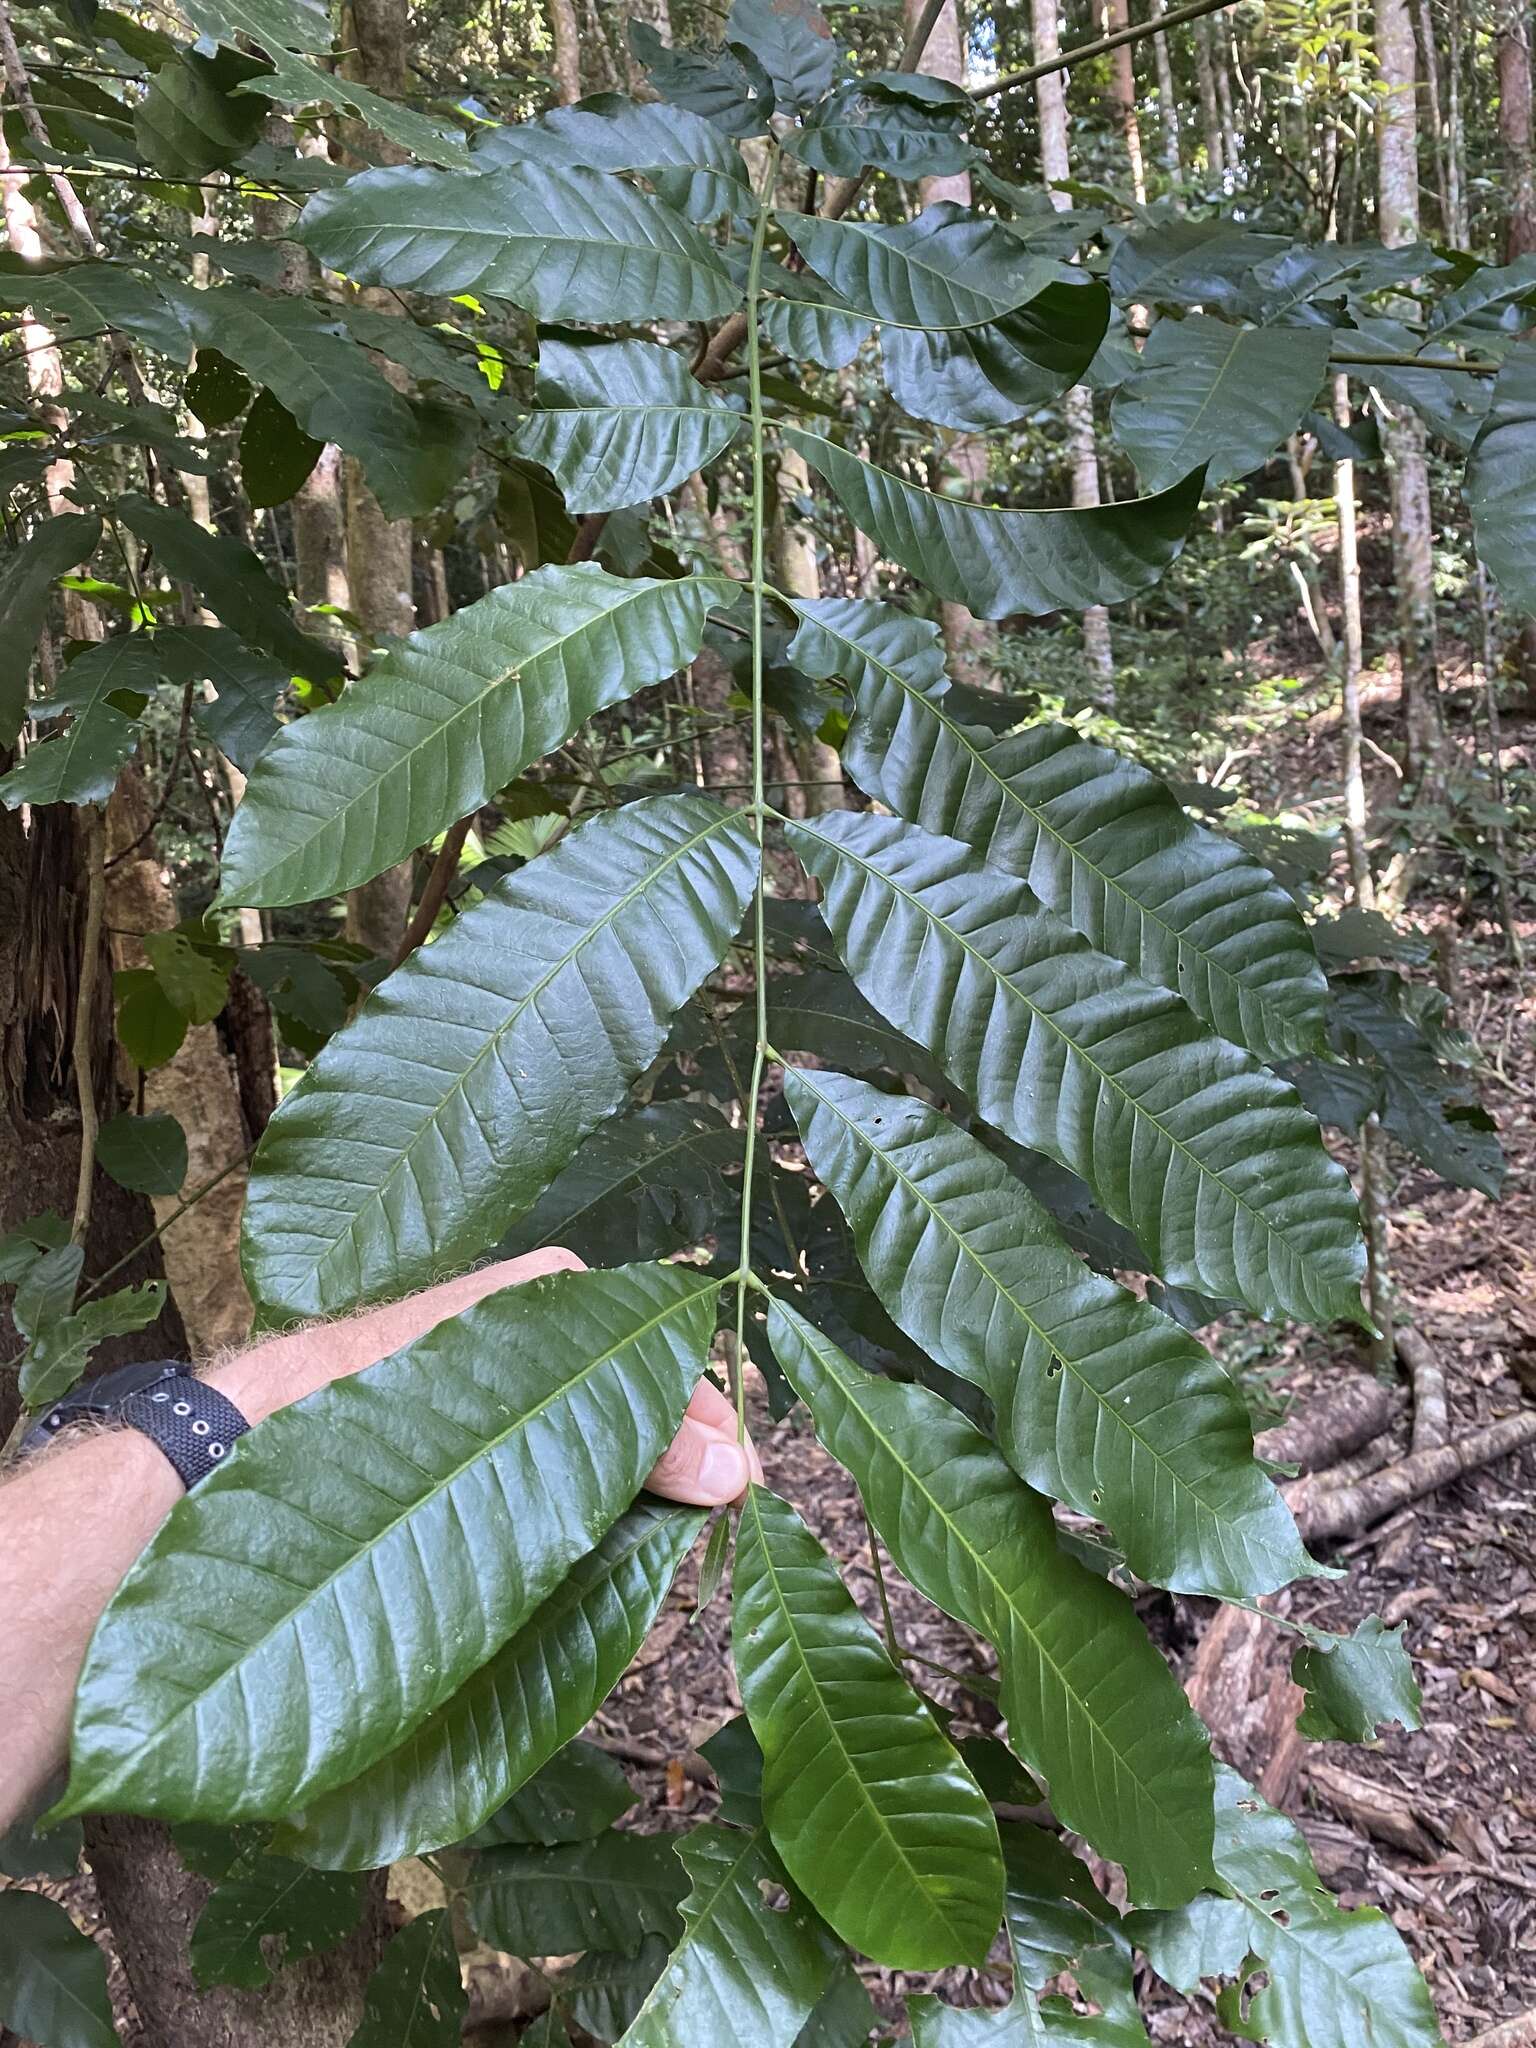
column 1436, row 1828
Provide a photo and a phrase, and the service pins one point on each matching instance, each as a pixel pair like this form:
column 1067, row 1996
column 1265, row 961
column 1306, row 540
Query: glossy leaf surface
column 269, row 1900
column 1099, row 1400
column 689, row 160
column 415, row 1998
column 515, row 1713
column 604, row 1894
column 997, row 561
column 448, row 716
column 743, row 1970
column 945, row 268
column 370, row 1531
column 472, row 1073
column 1501, row 481
column 1336, row 1979
column 1208, row 393
column 621, row 421
column 53, row 1978
column 974, row 378
column 875, row 1816
column 1091, row 1706
column 1208, row 1157
column 566, row 244
column 1097, row 837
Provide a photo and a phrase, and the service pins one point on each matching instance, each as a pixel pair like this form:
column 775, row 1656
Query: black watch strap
column 191, row 1422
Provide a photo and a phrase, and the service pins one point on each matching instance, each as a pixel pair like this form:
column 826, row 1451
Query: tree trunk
column 1512, row 44
column 1431, row 63
column 152, row 1902
column 1210, row 110
column 1056, row 164
column 1167, row 98
column 1455, row 138
column 1397, row 170
column 1221, row 69
column 566, row 41
column 1122, row 77
column 1361, row 881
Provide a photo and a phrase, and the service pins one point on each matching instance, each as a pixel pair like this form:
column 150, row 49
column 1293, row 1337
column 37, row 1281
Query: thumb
column 701, row 1466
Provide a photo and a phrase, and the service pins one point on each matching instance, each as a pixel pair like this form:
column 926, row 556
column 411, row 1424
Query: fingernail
column 723, row 1471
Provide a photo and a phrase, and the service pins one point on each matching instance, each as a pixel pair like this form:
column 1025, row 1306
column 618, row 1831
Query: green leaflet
column 567, row 244
column 232, row 582
column 1091, row 1706
column 188, row 123
column 621, row 421
column 1336, row 1979
column 448, row 716
column 79, row 765
column 265, row 1898
column 471, row 1075
column 1354, row 1683
column 275, row 24
column 1500, row 483
column 1207, row 393
column 295, row 83
column 517, row 1711
column 792, row 41
column 1098, row 838
column 805, row 319
column 945, row 268
column 145, row 1153
column 301, row 353
column 875, row 1816
column 27, row 576
column 743, row 1971
column 276, row 455
column 974, row 378
column 997, row 561
column 60, row 1350
column 354, row 1561
column 610, row 1893
column 82, row 298
column 579, row 1793
column 53, row 1978
column 689, row 160
column 874, row 123
column 1100, row 1400
column 1208, row 1157
column 415, row 1998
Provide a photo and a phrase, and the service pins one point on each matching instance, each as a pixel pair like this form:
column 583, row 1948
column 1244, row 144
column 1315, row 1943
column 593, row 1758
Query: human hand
column 704, row 1465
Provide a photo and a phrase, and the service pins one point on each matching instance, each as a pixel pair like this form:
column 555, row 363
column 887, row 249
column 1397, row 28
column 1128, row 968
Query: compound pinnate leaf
column 1098, row 838
column 1091, row 1706
column 1206, row 393
column 447, row 717
column 1207, row 1156
column 416, row 1996
column 469, row 1757
column 266, row 1898
column 744, row 1970
column 1355, row 1683
column 1501, row 480
column 876, row 1818
column 691, row 163
column 1335, row 1979
column 397, row 1527
column 566, row 244
column 621, row 421
column 472, row 1073
column 945, row 268
column 609, row 1893
column 998, row 561
column 53, row 1978
column 1099, row 1400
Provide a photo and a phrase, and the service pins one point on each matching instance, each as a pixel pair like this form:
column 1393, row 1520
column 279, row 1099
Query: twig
column 444, row 868
column 16, row 77
column 160, row 1229
column 1322, row 1514
column 1431, row 1423
column 85, row 1004
column 1519, row 2032
column 1158, row 25
column 892, row 1638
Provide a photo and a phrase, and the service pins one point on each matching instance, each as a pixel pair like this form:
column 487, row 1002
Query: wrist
column 271, row 1376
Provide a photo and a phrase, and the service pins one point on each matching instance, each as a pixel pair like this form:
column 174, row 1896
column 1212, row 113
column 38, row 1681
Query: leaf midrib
column 296, row 850
column 1173, row 1818
column 1071, row 1365
column 1110, row 883
column 874, row 232
column 824, row 1714
column 1177, row 1144
column 485, row 1448
column 514, row 1016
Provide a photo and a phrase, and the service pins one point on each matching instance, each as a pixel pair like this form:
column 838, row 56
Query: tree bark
column 1056, row 164
column 1431, row 63
column 1512, row 46
column 1122, row 75
column 1210, row 110
column 1167, row 98
column 1397, row 176
column 1356, row 846
column 566, row 42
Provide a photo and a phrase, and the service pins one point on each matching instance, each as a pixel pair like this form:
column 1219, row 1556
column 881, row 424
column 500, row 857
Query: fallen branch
column 1240, row 1685
column 1323, row 1513
column 1431, row 1420
column 1519, row 2032
column 1372, row 1808
column 1318, row 1433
